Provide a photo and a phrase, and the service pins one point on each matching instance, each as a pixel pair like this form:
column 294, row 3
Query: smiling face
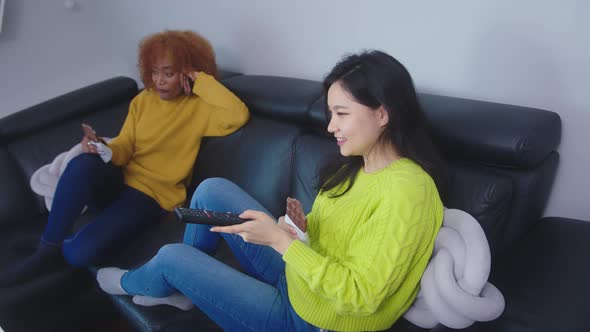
column 166, row 79
column 357, row 127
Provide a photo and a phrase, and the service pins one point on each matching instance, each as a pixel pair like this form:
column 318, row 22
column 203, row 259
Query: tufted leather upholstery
column 502, row 162
column 28, row 140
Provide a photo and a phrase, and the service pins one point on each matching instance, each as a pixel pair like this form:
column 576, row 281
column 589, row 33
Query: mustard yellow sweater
column 368, row 250
column 160, row 139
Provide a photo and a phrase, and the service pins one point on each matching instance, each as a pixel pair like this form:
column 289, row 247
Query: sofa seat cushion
column 147, row 243
column 543, row 278
column 20, row 240
column 50, row 292
column 158, row 318
column 161, row 318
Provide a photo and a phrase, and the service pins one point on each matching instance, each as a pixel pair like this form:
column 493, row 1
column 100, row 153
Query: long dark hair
column 375, row 79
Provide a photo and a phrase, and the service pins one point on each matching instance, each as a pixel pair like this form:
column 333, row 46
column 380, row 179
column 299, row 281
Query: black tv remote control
column 198, row 216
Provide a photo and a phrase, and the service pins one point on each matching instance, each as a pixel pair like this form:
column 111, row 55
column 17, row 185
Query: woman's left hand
column 186, row 81
column 261, row 229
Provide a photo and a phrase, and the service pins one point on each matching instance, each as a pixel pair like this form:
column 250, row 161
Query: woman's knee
column 86, row 159
column 210, row 189
column 83, row 163
column 175, row 256
column 200, row 237
column 171, row 250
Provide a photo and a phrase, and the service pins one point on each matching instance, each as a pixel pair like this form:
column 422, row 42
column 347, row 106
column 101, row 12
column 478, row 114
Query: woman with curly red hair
column 142, row 173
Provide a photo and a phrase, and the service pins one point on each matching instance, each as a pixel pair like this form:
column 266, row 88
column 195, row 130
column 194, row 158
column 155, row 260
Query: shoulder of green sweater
column 400, row 169
column 405, row 181
column 406, row 171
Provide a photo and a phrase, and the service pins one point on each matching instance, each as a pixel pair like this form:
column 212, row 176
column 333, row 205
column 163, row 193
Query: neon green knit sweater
column 368, row 250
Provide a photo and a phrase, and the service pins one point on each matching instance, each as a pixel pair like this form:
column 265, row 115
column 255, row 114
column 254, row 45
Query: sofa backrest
column 502, row 158
column 258, row 158
column 504, row 141
column 261, row 154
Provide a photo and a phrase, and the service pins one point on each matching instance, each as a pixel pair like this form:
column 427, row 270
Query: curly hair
column 187, row 50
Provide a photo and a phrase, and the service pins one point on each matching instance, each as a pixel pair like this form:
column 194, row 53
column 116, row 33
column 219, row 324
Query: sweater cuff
column 114, row 154
column 301, row 257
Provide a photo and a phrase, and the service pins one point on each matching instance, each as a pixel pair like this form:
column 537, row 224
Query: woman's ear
column 383, row 116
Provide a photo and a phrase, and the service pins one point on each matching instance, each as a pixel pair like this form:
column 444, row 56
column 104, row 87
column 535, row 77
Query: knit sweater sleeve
column 123, row 145
column 229, row 112
column 378, row 256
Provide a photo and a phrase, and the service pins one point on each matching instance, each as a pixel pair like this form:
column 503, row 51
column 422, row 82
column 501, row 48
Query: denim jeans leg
column 113, row 228
column 86, row 180
column 217, row 194
column 233, row 300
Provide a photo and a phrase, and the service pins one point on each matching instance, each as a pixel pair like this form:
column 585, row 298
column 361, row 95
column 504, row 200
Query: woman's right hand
column 87, row 147
column 187, row 81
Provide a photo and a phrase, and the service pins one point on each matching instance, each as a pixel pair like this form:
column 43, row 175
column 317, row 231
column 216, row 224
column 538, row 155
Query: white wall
column 46, row 50
column 530, row 53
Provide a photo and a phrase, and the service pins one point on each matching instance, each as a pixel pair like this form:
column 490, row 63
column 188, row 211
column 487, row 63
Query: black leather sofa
column 502, row 163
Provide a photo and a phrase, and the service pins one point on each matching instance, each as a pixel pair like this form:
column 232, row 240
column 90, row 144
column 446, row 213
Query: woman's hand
column 261, row 229
column 296, row 213
column 187, row 79
column 87, row 147
column 287, row 227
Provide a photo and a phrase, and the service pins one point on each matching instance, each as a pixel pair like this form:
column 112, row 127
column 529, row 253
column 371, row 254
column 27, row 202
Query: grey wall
column 530, row 53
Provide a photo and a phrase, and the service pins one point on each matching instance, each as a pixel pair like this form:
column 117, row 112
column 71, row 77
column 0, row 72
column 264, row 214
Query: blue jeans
column 122, row 211
column 256, row 301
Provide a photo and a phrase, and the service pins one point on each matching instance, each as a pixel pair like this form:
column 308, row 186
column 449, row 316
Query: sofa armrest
column 77, row 103
column 544, row 279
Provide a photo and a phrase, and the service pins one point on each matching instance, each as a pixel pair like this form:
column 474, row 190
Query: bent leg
column 86, row 180
column 232, row 299
column 217, row 194
column 130, row 213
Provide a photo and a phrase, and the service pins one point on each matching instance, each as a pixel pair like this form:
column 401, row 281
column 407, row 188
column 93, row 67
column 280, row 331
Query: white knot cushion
column 44, row 181
column 455, row 290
